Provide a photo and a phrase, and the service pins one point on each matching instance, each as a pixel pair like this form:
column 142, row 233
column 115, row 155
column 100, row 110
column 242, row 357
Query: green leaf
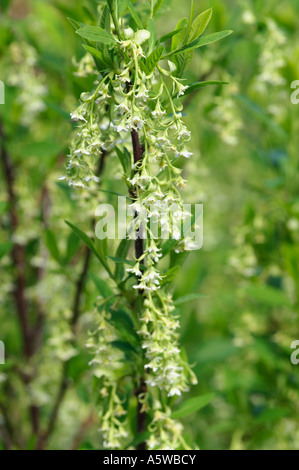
column 170, row 35
column 75, row 24
column 157, row 6
column 134, row 15
column 124, row 347
column 122, row 320
column 102, row 58
column 140, row 438
column 192, row 406
column 168, row 247
column 122, row 252
column 102, row 286
column 170, row 275
column 96, row 34
column 122, row 5
column 90, row 244
column 52, row 245
column 188, row 298
column 199, row 24
column 152, row 60
column 125, row 159
column 153, row 38
column 121, row 260
column 72, row 247
column 198, row 85
column 94, row 52
column 203, row 41
column 178, row 39
column 5, row 248
column 104, row 22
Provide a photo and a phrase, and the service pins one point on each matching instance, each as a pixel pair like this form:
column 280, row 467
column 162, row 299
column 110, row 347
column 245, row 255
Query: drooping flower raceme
column 136, row 105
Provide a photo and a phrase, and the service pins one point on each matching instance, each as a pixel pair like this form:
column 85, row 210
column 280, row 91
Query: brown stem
column 17, row 253
column 138, row 151
column 63, row 386
column 80, row 287
column 141, row 415
column 90, row 421
column 19, row 263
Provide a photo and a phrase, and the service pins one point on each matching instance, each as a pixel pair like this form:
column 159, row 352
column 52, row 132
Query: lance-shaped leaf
column 52, row 245
column 191, row 406
column 90, row 244
column 121, row 260
column 198, row 85
column 203, row 41
column 152, row 60
column 157, row 6
column 134, row 15
column 170, row 35
column 188, row 298
column 101, row 62
column 75, row 23
column 122, row 252
column 122, row 5
column 178, row 39
column 102, row 286
column 96, row 34
column 199, row 24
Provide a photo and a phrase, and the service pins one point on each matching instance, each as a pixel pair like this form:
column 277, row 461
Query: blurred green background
column 244, row 170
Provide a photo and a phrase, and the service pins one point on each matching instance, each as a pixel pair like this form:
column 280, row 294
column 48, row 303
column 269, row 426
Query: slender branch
column 138, row 151
column 63, row 386
column 80, row 287
column 19, row 263
column 138, row 156
column 141, row 415
column 17, row 253
column 40, row 317
column 90, row 421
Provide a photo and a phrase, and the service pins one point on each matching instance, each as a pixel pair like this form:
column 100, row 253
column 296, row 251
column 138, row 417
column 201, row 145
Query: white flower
column 182, row 90
column 173, row 392
column 186, row 154
column 135, row 270
column 77, row 117
column 141, row 36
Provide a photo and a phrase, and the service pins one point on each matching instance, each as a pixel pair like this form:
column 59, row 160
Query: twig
column 80, row 287
column 17, row 253
column 91, row 420
column 138, row 151
column 19, row 263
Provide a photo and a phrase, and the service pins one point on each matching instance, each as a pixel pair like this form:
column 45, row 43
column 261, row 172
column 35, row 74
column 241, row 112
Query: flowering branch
column 136, row 342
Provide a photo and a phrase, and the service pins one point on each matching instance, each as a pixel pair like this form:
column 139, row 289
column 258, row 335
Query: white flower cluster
column 272, row 57
column 106, row 360
column 31, row 83
column 88, row 142
column 226, row 116
column 165, row 367
column 166, row 433
column 141, row 106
